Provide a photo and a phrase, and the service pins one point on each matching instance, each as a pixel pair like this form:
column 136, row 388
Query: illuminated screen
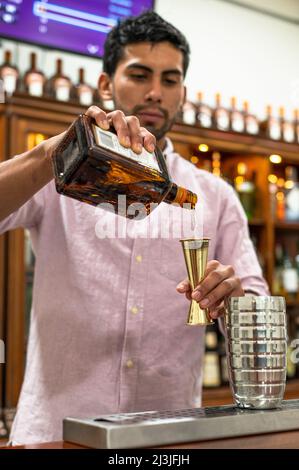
column 71, row 25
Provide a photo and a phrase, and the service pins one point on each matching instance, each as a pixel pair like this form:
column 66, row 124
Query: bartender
column 107, row 331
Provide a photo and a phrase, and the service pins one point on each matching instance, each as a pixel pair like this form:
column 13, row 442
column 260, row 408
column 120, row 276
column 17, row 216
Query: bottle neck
column 59, row 67
column 33, row 61
column 181, row 196
column 81, row 76
column 7, row 58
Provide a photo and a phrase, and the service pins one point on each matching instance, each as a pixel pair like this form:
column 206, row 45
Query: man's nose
column 155, row 92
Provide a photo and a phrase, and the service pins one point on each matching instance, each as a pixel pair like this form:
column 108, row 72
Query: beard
column 158, row 132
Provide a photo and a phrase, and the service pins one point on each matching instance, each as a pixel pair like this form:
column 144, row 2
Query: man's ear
column 105, row 87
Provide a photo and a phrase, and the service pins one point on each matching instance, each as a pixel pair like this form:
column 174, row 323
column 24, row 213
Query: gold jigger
column 196, row 256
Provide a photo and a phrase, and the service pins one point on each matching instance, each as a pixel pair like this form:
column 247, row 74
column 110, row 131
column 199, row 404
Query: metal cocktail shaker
column 257, row 350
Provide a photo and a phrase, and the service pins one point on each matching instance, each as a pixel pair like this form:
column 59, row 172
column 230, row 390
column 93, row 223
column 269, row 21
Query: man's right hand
column 128, row 129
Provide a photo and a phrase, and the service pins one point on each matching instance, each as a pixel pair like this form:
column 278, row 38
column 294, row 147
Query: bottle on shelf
column 59, row 86
column 296, row 124
column 211, row 368
column 97, row 100
column 9, row 75
column 287, row 128
column 34, row 79
column 82, row 92
column 272, row 180
column 216, row 163
column 100, row 169
column 271, row 125
column 189, row 113
column 246, row 189
column 291, row 194
column 251, row 121
column 204, row 114
column 236, row 117
column 221, row 115
column 291, row 365
column 290, row 282
column 277, row 285
column 280, row 200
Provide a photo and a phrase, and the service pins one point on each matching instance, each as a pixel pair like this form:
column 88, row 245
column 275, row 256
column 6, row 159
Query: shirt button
column 129, row 364
column 134, row 310
column 138, row 258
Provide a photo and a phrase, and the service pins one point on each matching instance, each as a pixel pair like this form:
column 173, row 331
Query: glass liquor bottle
column 34, row 79
column 287, row 128
column 59, row 86
column 92, row 166
column 296, row 125
column 236, row 117
column 82, row 92
column 289, row 278
column 204, row 113
column 221, row 115
column 246, row 190
column 271, row 125
column 189, row 113
column 291, row 194
column 211, row 368
column 251, row 121
column 9, row 74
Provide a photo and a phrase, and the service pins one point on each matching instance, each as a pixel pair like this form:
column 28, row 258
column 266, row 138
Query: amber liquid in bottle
column 90, row 165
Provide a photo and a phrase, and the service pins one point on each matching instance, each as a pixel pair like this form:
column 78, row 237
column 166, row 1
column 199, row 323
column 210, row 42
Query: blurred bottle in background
column 34, row 80
column 82, row 92
column 59, row 86
column 236, row 117
column 9, row 74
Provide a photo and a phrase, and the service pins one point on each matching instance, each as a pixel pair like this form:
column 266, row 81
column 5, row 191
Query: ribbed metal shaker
column 256, row 350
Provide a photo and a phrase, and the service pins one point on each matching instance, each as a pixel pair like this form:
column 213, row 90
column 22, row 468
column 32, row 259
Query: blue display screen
column 71, row 25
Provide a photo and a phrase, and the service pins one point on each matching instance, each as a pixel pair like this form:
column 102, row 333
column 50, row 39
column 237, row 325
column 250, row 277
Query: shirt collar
column 168, row 149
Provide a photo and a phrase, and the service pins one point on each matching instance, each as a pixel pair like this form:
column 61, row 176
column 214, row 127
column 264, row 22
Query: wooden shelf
column 292, row 226
column 234, row 142
column 256, row 223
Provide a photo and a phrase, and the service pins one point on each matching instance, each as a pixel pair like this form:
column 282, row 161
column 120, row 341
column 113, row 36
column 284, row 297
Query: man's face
column 148, row 83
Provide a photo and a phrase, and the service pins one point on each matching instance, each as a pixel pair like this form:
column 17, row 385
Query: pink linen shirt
column 108, row 330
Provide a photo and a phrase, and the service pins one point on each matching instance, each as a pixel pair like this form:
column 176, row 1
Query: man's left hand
column 219, row 282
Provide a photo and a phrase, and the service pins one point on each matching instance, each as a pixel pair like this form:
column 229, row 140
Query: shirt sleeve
column 234, row 246
column 27, row 216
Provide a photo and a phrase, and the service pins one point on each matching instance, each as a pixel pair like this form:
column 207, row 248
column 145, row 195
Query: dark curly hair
column 147, row 27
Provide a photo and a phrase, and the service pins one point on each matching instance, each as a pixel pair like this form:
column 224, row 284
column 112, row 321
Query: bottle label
column 10, row 83
column 288, row 132
column 222, row 119
column 252, row 126
column 35, row 85
column 189, row 116
column 292, row 203
column 237, row 122
column 274, row 129
column 85, row 98
column 110, row 141
column 62, row 89
column 204, row 117
column 290, row 280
